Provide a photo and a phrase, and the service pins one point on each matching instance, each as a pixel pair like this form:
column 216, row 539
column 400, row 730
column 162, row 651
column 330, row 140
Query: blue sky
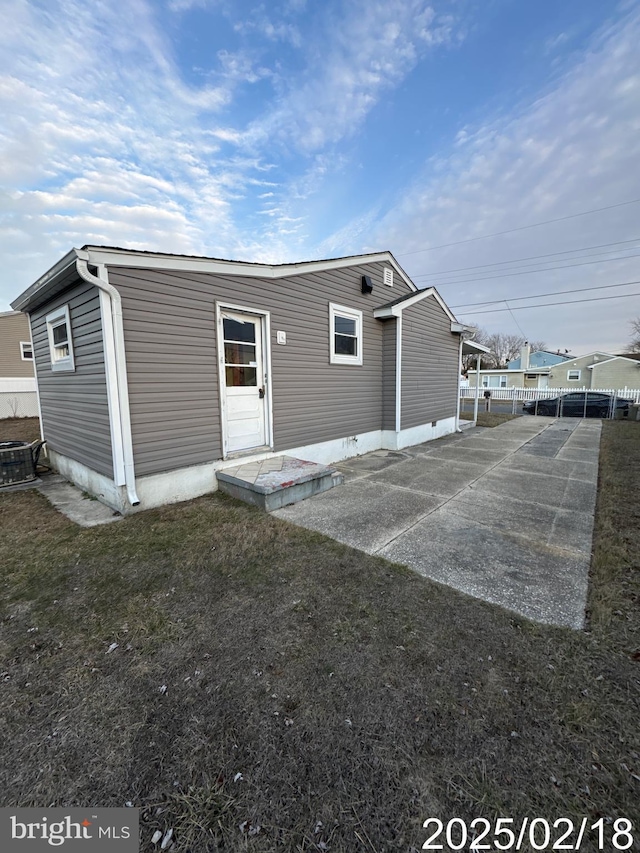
column 294, row 130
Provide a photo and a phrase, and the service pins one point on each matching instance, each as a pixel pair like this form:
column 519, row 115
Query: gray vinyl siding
column 170, row 340
column 75, row 410
column 429, row 364
column 389, row 331
column 14, row 328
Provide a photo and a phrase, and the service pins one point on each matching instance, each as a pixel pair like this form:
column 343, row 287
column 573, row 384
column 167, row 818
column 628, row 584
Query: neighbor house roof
column 540, row 358
column 613, row 358
column 56, row 278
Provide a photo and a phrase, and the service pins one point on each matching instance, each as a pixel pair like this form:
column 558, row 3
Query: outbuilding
column 154, row 370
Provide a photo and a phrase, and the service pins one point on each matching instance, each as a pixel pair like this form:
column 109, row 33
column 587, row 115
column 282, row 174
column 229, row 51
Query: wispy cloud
column 372, row 46
column 575, row 148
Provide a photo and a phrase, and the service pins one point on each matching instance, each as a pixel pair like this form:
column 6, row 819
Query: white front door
column 543, row 380
column 243, row 381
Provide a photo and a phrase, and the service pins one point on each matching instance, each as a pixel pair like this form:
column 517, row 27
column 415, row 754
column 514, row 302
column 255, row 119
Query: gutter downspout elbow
column 124, row 418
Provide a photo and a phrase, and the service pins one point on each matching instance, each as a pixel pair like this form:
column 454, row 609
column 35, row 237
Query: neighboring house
column 597, row 370
column 17, row 382
column 156, row 370
column 529, row 370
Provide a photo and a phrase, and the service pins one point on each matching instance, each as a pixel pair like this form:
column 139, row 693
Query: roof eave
column 41, row 287
column 158, row 260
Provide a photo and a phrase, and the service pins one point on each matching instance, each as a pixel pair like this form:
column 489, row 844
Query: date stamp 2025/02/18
column 536, row 833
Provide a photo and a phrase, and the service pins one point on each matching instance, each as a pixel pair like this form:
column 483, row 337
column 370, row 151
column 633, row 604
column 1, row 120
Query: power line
column 542, row 295
column 531, row 258
column 545, row 304
column 530, row 272
column 521, row 228
column 513, row 317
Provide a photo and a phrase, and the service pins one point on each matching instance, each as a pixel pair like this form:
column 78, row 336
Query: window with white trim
column 26, row 350
column 60, row 343
column 573, row 375
column 345, row 335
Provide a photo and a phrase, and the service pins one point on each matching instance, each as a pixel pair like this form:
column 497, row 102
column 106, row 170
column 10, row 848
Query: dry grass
column 489, row 419
column 19, row 429
column 355, row 698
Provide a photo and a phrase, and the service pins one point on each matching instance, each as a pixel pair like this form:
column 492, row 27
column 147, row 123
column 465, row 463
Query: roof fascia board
column 479, row 348
column 613, row 358
column 115, row 258
column 580, row 357
column 387, row 311
column 45, row 281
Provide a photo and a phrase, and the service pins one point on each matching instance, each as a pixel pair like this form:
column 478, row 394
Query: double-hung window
column 345, row 335
column 26, row 350
column 60, row 343
column 573, row 375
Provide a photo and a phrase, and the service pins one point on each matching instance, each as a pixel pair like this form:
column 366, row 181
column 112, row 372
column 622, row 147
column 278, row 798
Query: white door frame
column 265, row 318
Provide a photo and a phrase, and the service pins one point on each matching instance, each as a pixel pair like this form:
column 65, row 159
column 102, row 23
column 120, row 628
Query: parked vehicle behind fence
column 579, row 404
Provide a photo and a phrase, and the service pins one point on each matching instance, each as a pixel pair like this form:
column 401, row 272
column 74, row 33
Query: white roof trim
column 473, row 346
column 613, row 358
column 580, row 357
column 386, row 311
column 97, row 256
column 150, row 260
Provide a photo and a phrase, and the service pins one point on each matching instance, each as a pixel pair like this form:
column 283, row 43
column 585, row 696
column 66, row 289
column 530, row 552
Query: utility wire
column 542, row 295
column 532, row 258
column 529, row 272
column 513, row 317
column 521, row 228
column 545, row 304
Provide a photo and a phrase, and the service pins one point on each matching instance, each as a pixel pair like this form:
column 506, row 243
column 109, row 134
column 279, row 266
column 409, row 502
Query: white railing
column 523, row 394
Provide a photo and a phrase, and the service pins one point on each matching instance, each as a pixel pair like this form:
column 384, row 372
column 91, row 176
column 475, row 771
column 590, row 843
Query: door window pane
column 239, row 353
column 235, row 330
column 241, row 377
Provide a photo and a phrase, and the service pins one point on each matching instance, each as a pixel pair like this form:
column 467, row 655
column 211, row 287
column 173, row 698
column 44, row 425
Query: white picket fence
column 523, row 394
column 511, row 399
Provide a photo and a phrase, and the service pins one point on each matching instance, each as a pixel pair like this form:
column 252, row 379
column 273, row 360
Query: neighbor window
column 60, row 344
column 26, row 350
column 345, row 326
column 573, row 375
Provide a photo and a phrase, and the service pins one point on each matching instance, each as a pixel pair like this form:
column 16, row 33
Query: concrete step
column 277, row 482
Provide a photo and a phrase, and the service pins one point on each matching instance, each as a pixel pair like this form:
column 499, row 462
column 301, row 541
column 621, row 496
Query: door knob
column 261, row 392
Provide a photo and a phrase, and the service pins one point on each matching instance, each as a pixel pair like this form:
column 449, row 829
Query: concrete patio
column 504, row 514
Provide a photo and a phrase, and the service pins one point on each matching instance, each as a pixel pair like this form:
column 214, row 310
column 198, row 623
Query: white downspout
column 124, row 416
column 459, row 382
column 398, row 375
column 475, row 405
